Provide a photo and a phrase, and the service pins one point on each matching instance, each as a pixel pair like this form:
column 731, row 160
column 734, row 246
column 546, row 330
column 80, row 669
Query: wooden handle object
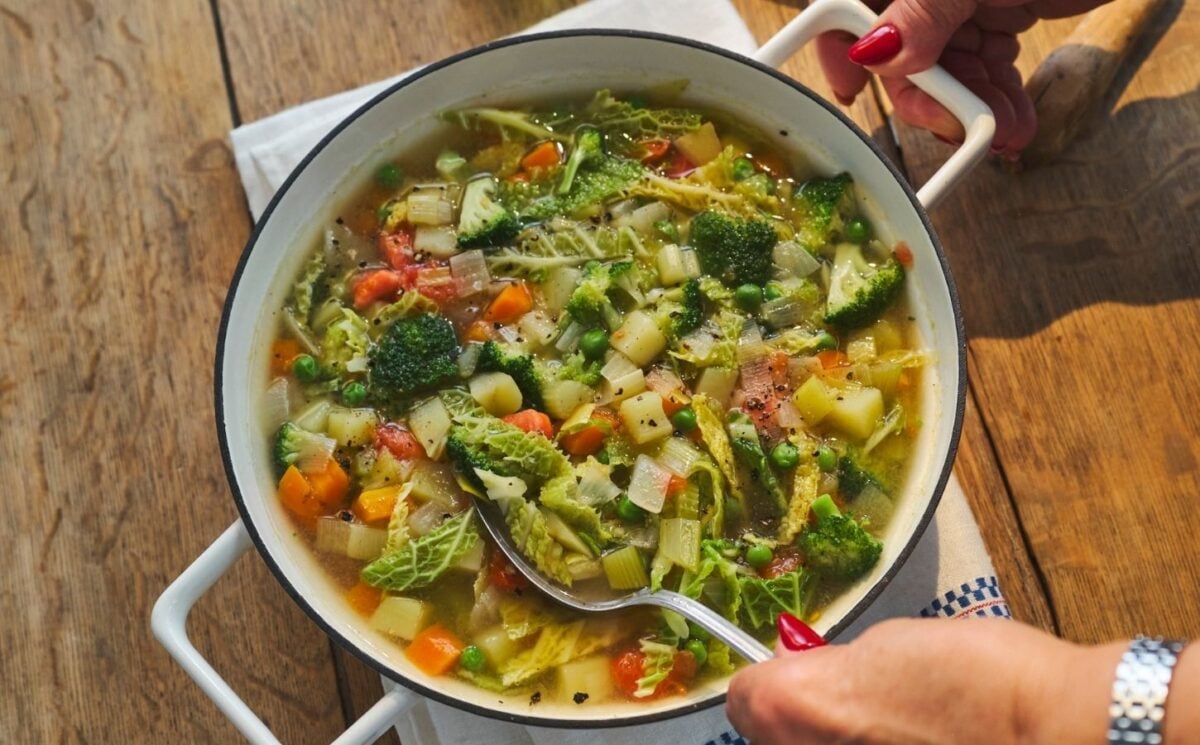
column 1069, row 86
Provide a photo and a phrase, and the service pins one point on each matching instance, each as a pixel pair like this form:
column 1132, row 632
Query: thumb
column 911, row 35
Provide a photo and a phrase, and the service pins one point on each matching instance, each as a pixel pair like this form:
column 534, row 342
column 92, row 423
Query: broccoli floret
column 591, row 304
column 579, row 368
column 838, row 546
column 417, row 353
column 735, row 250
column 483, row 221
column 853, row 477
column 290, row 438
column 692, row 313
column 822, row 205
column 521, row 367
column 588, row 149
column 466, row 457
column 859, row 292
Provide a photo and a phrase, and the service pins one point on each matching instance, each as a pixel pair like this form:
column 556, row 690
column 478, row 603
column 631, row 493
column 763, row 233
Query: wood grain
column 1081, row 288
column 117, row 246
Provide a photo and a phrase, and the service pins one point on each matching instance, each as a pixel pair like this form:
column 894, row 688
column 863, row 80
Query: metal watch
column 1139, row 692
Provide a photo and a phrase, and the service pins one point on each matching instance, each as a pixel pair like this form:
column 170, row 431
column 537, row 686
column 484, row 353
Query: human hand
column 928, row 681
column 975, row 40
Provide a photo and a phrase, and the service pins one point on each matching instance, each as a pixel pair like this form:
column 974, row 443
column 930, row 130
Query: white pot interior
column 533, row 70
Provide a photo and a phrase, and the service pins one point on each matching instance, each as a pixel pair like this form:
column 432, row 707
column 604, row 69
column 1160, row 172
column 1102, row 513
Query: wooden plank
column 117, row 247
column 1081, row 288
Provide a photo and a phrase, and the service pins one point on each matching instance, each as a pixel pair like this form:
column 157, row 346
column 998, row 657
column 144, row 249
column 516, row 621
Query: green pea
column 785, row 456
column 603, row 456
column 305, row 369
column 748, row 297
column 354, row 393
column 389, row 176
column 743, row 169
column 594, row 344
column 826, row 459
column 698, row 632
column 472, row 658
column 758, row 555
column 628, row 511
column 826, row 341
column 684, row 420
column 772, row 291
column 698, row 650
column 858, row 230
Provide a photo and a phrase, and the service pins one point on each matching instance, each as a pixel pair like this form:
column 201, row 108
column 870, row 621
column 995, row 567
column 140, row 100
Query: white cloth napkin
column 949, row 575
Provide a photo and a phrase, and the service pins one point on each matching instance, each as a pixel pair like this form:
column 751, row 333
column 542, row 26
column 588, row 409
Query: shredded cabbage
column 397, row 530
column 716, row 440
column 764, row 599
column 421, row 561
column 525, row 616
column 344, row 346
column 723, row 590
column 557, row 645
column 302, row 292
column 659, row 661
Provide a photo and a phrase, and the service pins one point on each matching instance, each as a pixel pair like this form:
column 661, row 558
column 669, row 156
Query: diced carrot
column 376, row 505
column 655, row 150
column 584, row 441
column 676, row 485
column 770, row 162
column 543, row 155
column 396, row 247
column 532, row 420
column 363, row 598
column 400, row 441
column 283, row 353
column 832, row 358
column 378, row 284
column 435, row 649
column 478, row 331
column 296, row 493
column 903, row 254
column 513, row 302
column 329, row 487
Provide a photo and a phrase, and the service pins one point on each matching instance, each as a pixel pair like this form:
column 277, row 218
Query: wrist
column 1066, row 694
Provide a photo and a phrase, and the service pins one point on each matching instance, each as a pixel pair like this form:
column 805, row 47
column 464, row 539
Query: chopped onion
column 427, row 517
column 436, row 279
column 344, row 247
column 429, row 208
column 861, row 350
column 569, row 341
column 469, row 359
column 789, row 416
column 486, row 610
column 642, row 536
column 537, row 328
column 595, row 483
column 617, row 210
column 793, row 259
column 438, row 241
column 643, row 218
column 315, row 453
column 664, row 382
column 678, row 456
column 784, row 312
column 691, row 262
column 470, row 272
column 277, row 402
column 750, row 344
column 700, row 342
column 648, row 484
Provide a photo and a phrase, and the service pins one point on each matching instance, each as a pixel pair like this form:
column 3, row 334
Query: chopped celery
column 679, row 541
column 625, row 569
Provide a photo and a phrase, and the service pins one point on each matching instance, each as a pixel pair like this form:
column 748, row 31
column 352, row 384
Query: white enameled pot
column 566, row 64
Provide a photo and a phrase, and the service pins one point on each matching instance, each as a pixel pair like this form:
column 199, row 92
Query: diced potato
column 639, row 338
column 471, row 561
column 537, row 329
column 378, row 467
column 439, row 241
column 814, row 400
column 564, row 534
column 401, row 617
column 496, row 392
column 430, row 423
column 622, row 378
column 644, row 418
column 433, row 482
column 355, row 540
column 563, row 397
column 351, row 427
column 560, row 283
column 671, row 269
column 856, row 411
column 590, row 675
column 717, row 383
column 642, row 219
column 496, row 645
column 700, row 146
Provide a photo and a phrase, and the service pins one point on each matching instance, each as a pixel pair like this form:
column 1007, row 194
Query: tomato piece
column 903, row 254
column 503, row 574
column 655, row 150
column 402, row 443
column 627, row 668
column 532, row 420
column 676, row 485
column 396, row 247
column 377, row 284
column 785, row 561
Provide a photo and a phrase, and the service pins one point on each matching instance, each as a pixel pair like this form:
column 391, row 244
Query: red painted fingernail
column 844, row 100
column 878, row 46
column 796, row 635
column 947, row 140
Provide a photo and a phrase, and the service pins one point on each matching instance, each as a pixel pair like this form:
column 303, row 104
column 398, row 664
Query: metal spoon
column 601, row 602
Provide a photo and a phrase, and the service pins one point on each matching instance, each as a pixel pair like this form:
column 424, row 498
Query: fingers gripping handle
column 169, row 622
column 856, row 18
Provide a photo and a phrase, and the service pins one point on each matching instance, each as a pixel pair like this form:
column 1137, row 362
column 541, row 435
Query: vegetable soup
column 671, row 356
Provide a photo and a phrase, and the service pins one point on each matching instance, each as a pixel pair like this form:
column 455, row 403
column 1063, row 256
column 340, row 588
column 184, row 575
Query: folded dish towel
column 949, row 574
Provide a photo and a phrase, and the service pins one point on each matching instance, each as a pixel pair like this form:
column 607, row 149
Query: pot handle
column 169, row 622
column 856, row 18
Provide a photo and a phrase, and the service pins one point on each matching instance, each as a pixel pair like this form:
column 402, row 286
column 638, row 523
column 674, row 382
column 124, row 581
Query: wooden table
column 122, row 217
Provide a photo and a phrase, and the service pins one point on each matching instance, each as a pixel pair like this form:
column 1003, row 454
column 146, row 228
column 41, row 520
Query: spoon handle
column 712, row 622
